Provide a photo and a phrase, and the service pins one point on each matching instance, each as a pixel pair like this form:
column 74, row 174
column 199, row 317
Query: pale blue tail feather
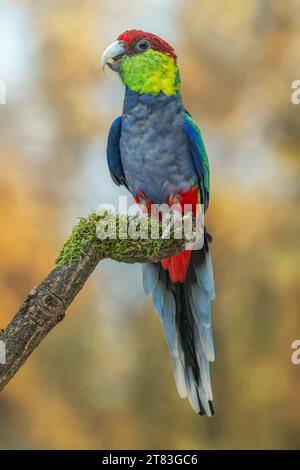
column 184, row 310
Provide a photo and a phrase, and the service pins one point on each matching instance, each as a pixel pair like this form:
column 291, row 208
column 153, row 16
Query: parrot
column 156, row 151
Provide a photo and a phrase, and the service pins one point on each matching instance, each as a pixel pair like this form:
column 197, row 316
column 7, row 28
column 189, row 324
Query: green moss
column 84, row 234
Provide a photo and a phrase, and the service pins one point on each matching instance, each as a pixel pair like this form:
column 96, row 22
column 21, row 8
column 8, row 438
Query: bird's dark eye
column 143, row 45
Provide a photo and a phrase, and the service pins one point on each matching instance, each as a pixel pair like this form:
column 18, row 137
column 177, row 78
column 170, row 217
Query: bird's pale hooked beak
column 112, row 55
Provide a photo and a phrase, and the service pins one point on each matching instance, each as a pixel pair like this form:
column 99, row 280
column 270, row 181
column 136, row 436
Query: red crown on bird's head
column 157, row 43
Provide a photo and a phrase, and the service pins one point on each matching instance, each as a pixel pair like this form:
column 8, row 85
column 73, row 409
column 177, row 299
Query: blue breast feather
column 151, row 148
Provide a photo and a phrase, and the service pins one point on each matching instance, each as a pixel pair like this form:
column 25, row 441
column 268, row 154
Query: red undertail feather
column 178, row 265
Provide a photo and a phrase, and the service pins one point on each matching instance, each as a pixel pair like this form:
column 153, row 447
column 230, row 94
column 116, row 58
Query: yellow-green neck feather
column 151, row 72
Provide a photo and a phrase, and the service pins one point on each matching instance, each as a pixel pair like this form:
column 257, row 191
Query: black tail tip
column 211, row 407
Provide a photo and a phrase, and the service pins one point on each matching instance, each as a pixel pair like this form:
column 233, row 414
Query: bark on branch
column 46, row 304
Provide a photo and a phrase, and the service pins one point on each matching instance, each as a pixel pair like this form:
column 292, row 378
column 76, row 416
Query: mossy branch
column 122, row 247
column 46, row 304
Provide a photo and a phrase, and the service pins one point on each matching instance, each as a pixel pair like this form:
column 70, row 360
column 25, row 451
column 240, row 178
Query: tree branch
column 46, row 304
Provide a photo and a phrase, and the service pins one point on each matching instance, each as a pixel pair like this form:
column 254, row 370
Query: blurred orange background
column 102, row 379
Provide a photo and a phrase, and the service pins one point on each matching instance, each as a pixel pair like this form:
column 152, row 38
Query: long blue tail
column 184, row 310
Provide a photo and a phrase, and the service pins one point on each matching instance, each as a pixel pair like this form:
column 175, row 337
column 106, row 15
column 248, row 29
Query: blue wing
column 113, row 153
column 199, row 155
